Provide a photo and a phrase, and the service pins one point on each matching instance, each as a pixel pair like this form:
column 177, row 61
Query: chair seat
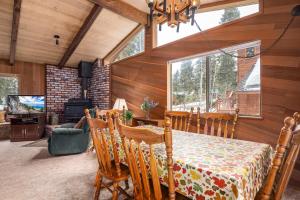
column 123, row 176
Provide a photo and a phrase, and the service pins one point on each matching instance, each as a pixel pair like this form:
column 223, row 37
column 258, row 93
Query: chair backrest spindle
column 198, row 120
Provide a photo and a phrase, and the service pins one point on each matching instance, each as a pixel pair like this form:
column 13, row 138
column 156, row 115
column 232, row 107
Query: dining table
column 211, row 167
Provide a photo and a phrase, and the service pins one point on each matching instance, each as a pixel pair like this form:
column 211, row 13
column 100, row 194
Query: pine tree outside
column 135, row 46
column 8, row 86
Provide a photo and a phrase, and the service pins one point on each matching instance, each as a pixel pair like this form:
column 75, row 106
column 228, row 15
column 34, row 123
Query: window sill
column 127, row 58
column 251, row 117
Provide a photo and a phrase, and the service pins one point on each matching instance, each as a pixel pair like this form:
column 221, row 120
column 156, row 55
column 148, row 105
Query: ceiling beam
column 14, row 30
column 80, row 34
column 123, row 9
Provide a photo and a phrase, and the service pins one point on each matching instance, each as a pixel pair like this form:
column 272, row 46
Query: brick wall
column 99, row 90
column 61, row 85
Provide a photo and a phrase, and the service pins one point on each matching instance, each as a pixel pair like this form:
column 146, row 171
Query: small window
column 217, row 82
column 250, row 52
column 206, row 20
column 8, row 86
column 135, row 46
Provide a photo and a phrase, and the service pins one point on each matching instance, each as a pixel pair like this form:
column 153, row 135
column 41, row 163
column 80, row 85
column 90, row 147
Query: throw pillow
column 2, row 116
column 80, row 123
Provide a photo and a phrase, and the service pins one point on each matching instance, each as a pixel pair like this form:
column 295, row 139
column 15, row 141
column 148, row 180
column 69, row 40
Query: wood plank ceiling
column 6, row 16
column 103, row 36
column 41, row 20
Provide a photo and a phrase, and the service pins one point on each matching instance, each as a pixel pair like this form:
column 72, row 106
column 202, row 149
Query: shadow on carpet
column 39, row 143
column 43, row 154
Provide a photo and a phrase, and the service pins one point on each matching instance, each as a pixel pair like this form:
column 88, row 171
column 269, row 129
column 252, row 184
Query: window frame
column 213, row 7
column 206, row 55
column 111, row 56
column 17, row 76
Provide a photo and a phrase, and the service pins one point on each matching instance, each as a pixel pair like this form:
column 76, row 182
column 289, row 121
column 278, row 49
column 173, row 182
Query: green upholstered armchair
column 67, row 140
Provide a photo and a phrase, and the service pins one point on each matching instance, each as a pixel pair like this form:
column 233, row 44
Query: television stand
column 26, row 127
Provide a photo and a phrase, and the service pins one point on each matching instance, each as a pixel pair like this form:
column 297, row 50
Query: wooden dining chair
column 109, row 167
column 225, row 122
column 180, row 120
column 134, row 140
column 287, row 151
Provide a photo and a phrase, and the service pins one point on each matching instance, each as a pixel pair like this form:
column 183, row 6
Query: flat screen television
column 23, row 104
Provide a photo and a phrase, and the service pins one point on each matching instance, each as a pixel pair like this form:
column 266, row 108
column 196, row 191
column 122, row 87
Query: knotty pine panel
column 146, row 74
column 31, row 76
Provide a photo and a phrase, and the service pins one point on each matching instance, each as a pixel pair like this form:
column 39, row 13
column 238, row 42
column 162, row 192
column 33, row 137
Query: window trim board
column 226, row 49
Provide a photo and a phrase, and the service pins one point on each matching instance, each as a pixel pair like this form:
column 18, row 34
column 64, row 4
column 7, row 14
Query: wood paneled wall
column 146, row 74
column 31, row 76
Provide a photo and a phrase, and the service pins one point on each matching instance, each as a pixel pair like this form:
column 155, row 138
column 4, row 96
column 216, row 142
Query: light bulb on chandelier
column 173, row 12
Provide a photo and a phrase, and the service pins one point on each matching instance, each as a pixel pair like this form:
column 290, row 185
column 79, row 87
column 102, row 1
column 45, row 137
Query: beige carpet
column 27, row 171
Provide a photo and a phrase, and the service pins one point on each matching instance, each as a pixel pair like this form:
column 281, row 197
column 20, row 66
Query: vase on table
column 147, row 114
column 147, row 105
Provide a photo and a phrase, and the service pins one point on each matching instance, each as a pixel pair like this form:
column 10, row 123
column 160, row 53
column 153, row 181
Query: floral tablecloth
column 210, row 167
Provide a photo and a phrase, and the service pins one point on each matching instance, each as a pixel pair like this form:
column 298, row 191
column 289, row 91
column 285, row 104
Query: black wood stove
column 74, row 109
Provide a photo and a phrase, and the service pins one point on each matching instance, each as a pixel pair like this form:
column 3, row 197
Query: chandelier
column 173, row 12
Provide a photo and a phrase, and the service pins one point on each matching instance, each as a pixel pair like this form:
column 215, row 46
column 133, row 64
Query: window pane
column 232, row 82
column 235, row 82
column 206, row 20
column 223, row 83
column 8, row 86
column 135, row 46
column 189, row 84
column 249, row 84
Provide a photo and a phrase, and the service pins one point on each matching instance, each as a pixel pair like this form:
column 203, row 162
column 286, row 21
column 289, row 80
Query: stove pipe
column 85, row 72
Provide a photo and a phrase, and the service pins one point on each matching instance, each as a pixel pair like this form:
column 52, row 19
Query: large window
column 8, row 85
column 206, row 20
column 135, row 46
column 218, row 82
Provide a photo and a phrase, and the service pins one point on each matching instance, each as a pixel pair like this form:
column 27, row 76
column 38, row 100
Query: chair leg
column 98, row 187
column 115, row 191
column 97, row 177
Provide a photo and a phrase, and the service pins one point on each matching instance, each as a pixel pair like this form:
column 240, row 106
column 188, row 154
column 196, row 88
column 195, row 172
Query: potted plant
column 128, row 117
column 147, row 106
